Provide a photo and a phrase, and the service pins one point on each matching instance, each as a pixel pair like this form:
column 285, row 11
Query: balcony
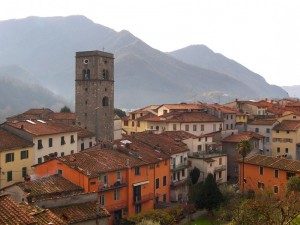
column 177, row 183
column 220, row 168
column 143, row 198
column 116, row 206
column 106, row 187
column 180, row 166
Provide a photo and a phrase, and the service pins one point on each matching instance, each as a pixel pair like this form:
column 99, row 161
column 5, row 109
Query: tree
column 119, row 112
column 244, row 147
column 293, row 185
column 65, row 109
column 195, row 174
column 210, row 196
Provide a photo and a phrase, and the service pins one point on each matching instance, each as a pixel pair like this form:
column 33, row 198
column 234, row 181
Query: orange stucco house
column 267, row 173
column 127, row 181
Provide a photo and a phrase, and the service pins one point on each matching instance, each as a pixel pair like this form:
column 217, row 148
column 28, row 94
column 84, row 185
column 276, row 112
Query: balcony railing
column 220, row 168
column 179, row 166
column 116, row 206
column 177, row 183
column 143, row 198
column 106, row 187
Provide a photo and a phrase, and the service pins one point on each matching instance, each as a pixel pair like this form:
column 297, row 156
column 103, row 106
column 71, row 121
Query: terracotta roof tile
column 42, row 216
column 50, row 187
column 10, row 141
column 221, row 108
column 11, row 213
column 163, row 142
column 274, row 162
column 98, row 160
column 80, row 212
column 186, row 117
column 182, row 135
column 83, row 133
column 38, row 111
column 235, row 138
column 287, row 125
column 40, row 127
column 263, row 122
column 62, row 116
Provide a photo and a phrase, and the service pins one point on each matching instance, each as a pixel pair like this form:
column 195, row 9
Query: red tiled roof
column 11, row 213
column 221, row 108
column 95, row 161
column 163, row 142
column 274, row 162
column 50, row 187
column 83, row 133
column 42, row 216
column 185, row 117
column 63, row 116
column 37, row 128
column 287, row 125
column 80, row 212
column 38, row 111
column 10, row 141
column 263, row 122
column 245, row 136
column 182, row 135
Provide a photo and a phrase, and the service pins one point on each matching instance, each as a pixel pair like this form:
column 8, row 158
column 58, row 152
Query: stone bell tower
column 94, row 97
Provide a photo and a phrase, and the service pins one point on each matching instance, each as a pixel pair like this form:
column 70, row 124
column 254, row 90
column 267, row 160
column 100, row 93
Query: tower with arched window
column 94, row 97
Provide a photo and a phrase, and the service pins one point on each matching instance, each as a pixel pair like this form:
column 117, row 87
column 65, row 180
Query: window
column 105, row 101
column 156, row 199
column 40, row 160
column 86, row 74
column 261, row 185
column 40, row 144
column 82, row 146
column 231, row 116
column 117, row 194
column 9, row 176
column 268, row 130
column 220, row 174
column 165, row 198
column 102, row 199
column 194, row 127
column 202, row 127
column 24, row 171
column 227, row 127
column 187, row 127
column 125, row 123
column 133, row 116
column 9, row 157
column 289, row 175
column 287, row 150
column 278, row 150
column 277, row 131
column 137, row 171
column 220, row 161
column 231, row 126
column 90, row 144
column 157, row 127
column 62, row 154
column 182, row 173
column 24, row 154
column 72, row 152
column 105, row 179
column 62, row 140
column 210, row 164
column 164, row 181
column 50, row 142
column 119, row 175
column 267, row 139
column 132, row 123
column 287, row 131
column 72, row 139
column 276, row 173
column 138, row 208
column 105, row 75
column 174, row 127
column 59, row 171
column 157, row 183
column 261, row 170
column 199, row 147
column 256, row 130
column 138, row 123
column 276, row 189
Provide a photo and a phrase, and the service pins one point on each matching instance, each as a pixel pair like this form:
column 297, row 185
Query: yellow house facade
column 285, row 139
column 16, row 158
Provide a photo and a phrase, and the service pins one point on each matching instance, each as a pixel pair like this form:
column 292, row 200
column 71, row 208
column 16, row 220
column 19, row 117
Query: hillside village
column 93, row 167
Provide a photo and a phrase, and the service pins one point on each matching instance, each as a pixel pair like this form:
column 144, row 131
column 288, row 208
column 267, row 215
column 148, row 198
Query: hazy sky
column 263, row 35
